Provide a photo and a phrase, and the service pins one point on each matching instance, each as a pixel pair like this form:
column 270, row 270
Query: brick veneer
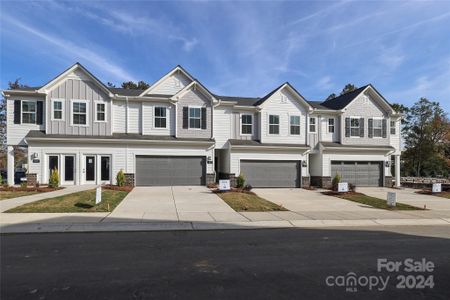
column 129, row 179
column 31, row 179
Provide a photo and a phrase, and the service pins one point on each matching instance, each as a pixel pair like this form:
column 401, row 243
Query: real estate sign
column 391, row 199
column 224, row 184
column 342, row 187
column 437, row 187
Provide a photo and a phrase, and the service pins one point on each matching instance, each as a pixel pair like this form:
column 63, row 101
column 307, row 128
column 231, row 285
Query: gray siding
column 79, row 90
column 364, row 107
column 236, row 127
column 194, row 98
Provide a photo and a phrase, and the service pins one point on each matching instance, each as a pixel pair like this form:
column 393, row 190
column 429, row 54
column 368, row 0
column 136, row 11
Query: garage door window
column 274, row 124
column 195, row 117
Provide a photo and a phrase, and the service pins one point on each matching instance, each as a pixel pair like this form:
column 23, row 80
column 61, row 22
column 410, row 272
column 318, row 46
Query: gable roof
column 72, row 68
column 286, row 84
column 194, row 84
column 125, row 92
column 242, row 101
column 342, row 101
column 170, row 73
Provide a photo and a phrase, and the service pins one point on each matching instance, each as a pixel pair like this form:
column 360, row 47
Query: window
column 295, row 125
column 331, row 125
column 79, row 113
column 58, row 110
column 29, row 112
column 312, row 124
column 274, row 124
column 354, row 127
column 393, row 127
column 246, row 124
column 195, row 117
column 100, row 113
column 377, row 127
column 160, row 117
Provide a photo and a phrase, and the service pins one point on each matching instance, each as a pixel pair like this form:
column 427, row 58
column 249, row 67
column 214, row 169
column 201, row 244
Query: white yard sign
column 391, row 199
column 224, row 184
column 437, row 187
column 343, row 187
column 98, row 195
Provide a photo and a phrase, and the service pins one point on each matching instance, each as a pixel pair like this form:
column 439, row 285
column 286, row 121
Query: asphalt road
column 245, row 264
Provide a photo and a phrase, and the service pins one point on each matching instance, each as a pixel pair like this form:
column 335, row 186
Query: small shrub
column 23, row 184
column 247, row 188
column 335, row 182
column 120, row 178
column 53, row 181
column 212, row 185
column 240, row 181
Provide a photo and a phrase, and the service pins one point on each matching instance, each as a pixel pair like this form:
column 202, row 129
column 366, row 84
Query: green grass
column 372, row 201
column 443, row 195
column 14, row 194
column 248, row 202
column 76, row 202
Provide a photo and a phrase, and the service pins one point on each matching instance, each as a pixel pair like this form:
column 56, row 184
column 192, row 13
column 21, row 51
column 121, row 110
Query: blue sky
column 237, row 48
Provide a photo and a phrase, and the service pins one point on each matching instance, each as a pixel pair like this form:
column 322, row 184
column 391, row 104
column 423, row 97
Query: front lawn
column 11, row 194
column 241, row 201
column 14, row 192
column 371, row 201
column 444, row 194
column 77, row 202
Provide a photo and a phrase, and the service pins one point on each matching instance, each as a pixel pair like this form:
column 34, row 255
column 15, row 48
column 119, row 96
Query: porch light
column 387, row 164
column 304, row 163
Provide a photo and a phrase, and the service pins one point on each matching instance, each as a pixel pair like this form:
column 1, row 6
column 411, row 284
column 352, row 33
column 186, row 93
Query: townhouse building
column 177, row 132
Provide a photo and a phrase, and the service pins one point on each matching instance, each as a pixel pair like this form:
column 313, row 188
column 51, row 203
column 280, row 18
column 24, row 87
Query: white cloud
column 324, row 83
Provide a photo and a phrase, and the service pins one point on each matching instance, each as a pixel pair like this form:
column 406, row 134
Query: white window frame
column 22, row 111
column 381, row 127
column 394, row 127
column 359, row 126
column 189, row 117
column 72, row 101
column 154, row 117
column 63, row 101
column 251, row 124
column 315, row 125
column 105, row 111
column 331, row 125
column 297, row 125
column 278, row 124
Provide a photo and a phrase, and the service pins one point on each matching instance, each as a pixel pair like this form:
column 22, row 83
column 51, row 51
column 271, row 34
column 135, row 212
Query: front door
column 69, row 169
column 90, row 168
column 105, row 169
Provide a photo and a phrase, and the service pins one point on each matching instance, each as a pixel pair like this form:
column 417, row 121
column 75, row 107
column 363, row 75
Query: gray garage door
column 271, row 173
column 361, row 173
column 170, row 170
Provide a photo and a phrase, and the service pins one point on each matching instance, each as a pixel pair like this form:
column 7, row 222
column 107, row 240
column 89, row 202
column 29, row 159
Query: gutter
column 111, row 141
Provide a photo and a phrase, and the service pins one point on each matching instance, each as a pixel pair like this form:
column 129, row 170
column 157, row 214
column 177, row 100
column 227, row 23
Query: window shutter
column 384, row 128
column 361, row 127
column 203, row 117
column 185, row 117
column 17, row 108
column 370, row 128
column 347, row 127
column 40, row 112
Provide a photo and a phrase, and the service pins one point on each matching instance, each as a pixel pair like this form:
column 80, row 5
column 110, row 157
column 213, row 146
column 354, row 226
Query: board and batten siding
column 148, row 125
column 172, row 85
column 236, row 127
column 120, row 116
column 365, row 107
column 74, row 89
column 325, row 135
column 17, row 132
column 194, row 98
column 275, row 106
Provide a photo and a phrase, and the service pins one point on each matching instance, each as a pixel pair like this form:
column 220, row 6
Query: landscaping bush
column 23, row 184
column 53, row 181
column 120, row 178
column 240, row 181
column 335, row 182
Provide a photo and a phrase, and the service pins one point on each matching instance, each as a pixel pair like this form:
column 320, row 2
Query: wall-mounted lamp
column 304, row 163
column 387, row 164
column 209, row 160
column 34, row 156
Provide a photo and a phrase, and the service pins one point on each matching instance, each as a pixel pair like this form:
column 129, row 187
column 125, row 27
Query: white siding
column 274, row 106
column 134, row 117
column 17, row 132
column 395, row 138
column 172, row 85
column 315, row 164
column 323, row 130
column 222, row 126
column 120, row 114
column 148, row 126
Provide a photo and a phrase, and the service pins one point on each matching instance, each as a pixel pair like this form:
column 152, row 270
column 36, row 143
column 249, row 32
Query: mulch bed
column 42, row 189
column 117, row 188
column 234, row 190
column 334, row 193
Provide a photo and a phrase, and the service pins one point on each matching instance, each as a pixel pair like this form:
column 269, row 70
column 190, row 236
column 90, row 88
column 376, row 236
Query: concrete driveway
column 173, row 203
column 408, row 196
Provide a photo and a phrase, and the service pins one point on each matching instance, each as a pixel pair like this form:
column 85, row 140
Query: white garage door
column 265, row 173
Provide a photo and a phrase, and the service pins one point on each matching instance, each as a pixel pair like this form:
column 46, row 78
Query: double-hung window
column 295, row 125
column 100, row 114
column 57, row 110
column 274, row 124
column 28, row 112
column 377, row 127
column 195, row 117
column 331, row 125
column 160, row 117
column 354, row 127
column 393, row 127
column 246, row 124
column 312, row 124
column 79, row 113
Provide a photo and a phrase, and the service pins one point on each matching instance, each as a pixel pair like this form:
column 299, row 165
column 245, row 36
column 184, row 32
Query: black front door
column 69, row 168
column 105, row 165
column 53, row 163
column 90, row 168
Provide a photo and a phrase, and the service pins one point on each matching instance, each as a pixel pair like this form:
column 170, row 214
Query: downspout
column 126, row 114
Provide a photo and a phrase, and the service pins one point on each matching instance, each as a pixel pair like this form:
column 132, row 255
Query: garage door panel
column 271, row 173
column 359, row 173
column 170, row 170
